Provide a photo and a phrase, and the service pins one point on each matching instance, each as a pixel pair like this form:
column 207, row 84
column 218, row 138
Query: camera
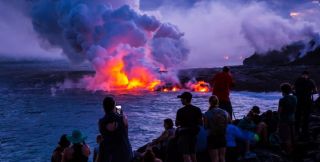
column 118, row 109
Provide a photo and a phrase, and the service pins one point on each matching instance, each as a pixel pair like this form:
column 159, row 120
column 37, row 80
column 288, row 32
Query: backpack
column 218, row 123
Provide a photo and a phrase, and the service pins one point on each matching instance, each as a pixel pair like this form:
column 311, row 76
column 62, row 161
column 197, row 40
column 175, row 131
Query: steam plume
column 110, row 35
column 225, row 32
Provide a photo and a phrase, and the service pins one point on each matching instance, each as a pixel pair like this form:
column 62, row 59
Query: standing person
column 188, row 119
column 216, row 120
column 79, row 151
column 222, row 83
column 58, row 151
column 304, row 89
column 113, row 127
column 286, row 111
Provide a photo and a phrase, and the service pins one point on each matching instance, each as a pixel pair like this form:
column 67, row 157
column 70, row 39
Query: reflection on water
column 33, row 120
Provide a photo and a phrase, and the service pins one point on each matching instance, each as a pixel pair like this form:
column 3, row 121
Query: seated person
column 58, row 152
column 79, row 151
column 253, row 122
column 234, row 134
column 159, row 145
column 166, row 134
column 271, row 120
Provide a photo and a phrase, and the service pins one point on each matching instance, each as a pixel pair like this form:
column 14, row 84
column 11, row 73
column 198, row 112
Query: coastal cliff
column 255, row 78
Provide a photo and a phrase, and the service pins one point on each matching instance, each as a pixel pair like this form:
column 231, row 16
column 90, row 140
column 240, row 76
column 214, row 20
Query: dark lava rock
column 275, row 57
column 254, row 78
column 298, row 53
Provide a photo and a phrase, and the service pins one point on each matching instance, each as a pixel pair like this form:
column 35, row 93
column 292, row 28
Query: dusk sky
column 216, row 32
column 112, row 74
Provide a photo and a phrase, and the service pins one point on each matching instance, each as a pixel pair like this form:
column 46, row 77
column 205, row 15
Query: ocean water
column 33, row 116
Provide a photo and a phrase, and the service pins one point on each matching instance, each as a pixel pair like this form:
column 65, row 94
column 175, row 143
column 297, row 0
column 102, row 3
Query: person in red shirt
column 222, row 83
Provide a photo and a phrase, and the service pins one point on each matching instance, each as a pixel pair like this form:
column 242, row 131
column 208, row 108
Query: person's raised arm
column 125, row 120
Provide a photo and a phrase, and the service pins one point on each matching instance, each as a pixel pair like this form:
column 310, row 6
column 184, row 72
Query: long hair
column 78, row 154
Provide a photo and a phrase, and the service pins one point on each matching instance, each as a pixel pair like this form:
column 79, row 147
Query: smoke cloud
column 122, row 44
column 225, row 32
column 218, row 32
column 78, row 27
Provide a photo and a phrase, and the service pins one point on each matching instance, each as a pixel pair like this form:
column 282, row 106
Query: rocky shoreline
column 254, row 78
column 307, row 150
column 247, row 78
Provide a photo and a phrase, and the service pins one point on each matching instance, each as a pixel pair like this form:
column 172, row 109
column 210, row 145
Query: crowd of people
column 214, row 135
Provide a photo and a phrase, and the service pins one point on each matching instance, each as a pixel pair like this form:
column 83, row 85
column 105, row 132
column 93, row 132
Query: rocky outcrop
column 266, row 71
column 254, row 78
column 298, row 53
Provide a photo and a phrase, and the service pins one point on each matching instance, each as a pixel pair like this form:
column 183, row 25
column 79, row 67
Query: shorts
column 187, row 144
column 216, row 142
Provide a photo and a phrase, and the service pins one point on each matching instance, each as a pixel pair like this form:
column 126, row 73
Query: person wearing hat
column 188, row 119
column 57, row 153
column 79, row 151
column 304, row 90
column 113, row 127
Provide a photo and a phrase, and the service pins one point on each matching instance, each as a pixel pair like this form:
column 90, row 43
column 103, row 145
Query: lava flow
column 115, row 74
column 199, row 86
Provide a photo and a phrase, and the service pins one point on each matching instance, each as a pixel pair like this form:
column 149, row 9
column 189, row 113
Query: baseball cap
column 185, row 95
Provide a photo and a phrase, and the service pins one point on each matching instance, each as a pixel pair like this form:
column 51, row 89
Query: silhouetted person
column 261, row 127
column 188, row 120
column 113, row 127
column 168, row 132
column 79, row 150
column 304, row 89
column 286, row 111
column 222, row 83
column 149, row 156
column 99, row 139
column 215, row 121
column 58, row 151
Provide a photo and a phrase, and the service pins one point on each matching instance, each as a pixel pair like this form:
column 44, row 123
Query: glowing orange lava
column 201, row 86
column 135, row 78
column 175, row 89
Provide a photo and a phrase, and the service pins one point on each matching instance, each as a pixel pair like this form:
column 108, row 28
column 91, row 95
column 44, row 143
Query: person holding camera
column 113, row 127
column 79, row 151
